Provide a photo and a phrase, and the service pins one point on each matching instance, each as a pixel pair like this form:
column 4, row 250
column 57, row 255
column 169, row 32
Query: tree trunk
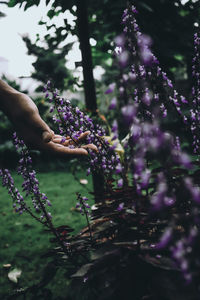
column 89, row 84
column 83, row 32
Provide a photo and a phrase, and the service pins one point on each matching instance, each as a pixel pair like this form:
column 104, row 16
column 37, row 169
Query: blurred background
column 43, row 40
column 72, row 43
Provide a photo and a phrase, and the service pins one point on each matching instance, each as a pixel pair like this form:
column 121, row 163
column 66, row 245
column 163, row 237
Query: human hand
column 75, row 147
column 24, row 115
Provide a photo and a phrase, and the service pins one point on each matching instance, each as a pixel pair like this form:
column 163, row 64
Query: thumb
column 47, row 136
column 40, row 127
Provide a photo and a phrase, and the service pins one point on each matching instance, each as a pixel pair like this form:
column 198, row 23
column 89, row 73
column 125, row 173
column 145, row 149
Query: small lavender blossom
column 83, row 205
column 157, row 199
column 113, row 103
column 8, row 182
column 146, row 98
column 73, row 122
column 120, row 183
column 121, row 206
column 120, row 40
column 30, row 184
column 110, row 88
column 165, row 238
column 128, row 113
column 123, row 59
column 194, row 190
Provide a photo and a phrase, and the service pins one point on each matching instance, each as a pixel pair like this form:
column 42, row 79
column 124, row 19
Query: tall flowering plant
column 39, row 208
column 151, row 216
column 159, row 169
column 73, row 123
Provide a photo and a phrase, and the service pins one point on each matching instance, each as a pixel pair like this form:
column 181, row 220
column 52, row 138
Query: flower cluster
column 73, row 122
column 154, row 156
column 164, row 190
column 39, row 210
column 8, row 182
column 143, row 80
column 30, row 187
column 194, row 110
column 82, row 205
column 84, row 208
column 30, row 184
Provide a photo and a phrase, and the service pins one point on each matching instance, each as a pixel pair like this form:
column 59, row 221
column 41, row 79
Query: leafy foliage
column 51, row 60
column 143, row 238
column 164, row 21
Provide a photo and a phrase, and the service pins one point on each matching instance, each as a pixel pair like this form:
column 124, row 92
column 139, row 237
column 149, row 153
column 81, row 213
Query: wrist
column 8, row 99
column 6, row 92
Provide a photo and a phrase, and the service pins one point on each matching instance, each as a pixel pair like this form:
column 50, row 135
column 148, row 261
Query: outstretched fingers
column 62, row 150
column 91, row 147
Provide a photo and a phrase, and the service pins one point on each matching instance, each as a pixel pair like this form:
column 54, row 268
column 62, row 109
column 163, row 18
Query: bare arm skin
column 24, row 115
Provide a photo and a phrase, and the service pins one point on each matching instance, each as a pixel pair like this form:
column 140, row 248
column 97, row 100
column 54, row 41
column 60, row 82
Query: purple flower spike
column 184, row 159
column 121, row 206
column 129, row 112
column 110, row 88
column 165, row 238
column 145, row 41
column 119, row 169
column 120, row 40
column 146, row 99
column 145, row 177
column 114, row 126
column 123, row 58
column 147, row 57
column 113, row 103
column 120, row 183
column 169, row 201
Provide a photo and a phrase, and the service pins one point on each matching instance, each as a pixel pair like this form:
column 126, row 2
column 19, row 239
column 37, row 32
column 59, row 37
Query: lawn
column 24, row 241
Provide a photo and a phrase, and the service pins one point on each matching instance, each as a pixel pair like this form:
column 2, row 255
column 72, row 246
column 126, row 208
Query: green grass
column 23, row 240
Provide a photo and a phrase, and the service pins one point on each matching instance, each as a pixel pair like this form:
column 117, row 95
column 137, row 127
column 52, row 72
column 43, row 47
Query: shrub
column 142, row 238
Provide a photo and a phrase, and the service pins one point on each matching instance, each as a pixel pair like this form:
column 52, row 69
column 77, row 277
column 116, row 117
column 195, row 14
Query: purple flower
column 145, row 177
column 165, row 238
column 195, row 191
column 119, row 169
column 120, row 183
column 115, row 126
column 129, row 112
column 123, row 58
column 121, row 206
column 135, row 132
column 120, row 40
column 8, row 182
column 113, row 103
column 145, row 41
column 183, row 159
column 146, row 98
column 30, row 184
column 169, row 201
column 146, row 56
column 110, row 88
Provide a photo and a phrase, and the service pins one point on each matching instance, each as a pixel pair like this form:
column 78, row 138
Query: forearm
column 15, row 104
column 7, row 96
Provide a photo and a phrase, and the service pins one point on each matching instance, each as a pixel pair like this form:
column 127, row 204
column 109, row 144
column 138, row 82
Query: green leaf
column 28, row 4
column 178, row 57
column 147, row 7
column 51, row 13
column 12, row 3
column 184, row 13
column 14, row 275
column 82, row 271
column 41, row 23
column 2, row 14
